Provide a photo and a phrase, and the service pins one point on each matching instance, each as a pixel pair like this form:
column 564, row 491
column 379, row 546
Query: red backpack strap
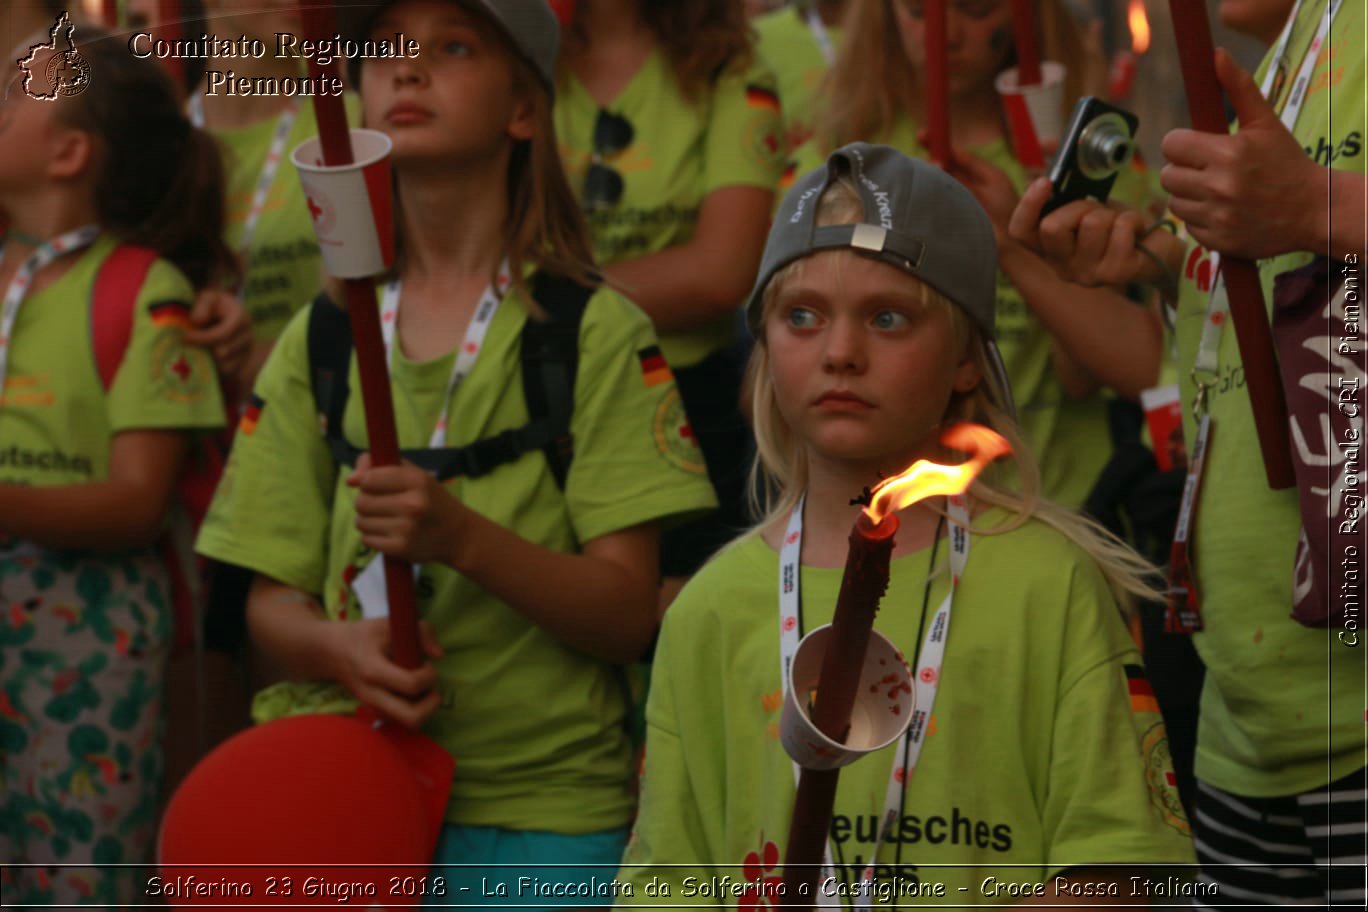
column 112, row 302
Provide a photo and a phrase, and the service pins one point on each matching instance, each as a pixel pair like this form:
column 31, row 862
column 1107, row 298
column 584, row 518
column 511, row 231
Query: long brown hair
column 872, row 84
column 159, row 180
column 700, row 39
column 545, row 224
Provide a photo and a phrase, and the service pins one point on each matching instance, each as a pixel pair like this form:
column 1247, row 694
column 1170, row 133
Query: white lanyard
column 928, row 672
column 820, row 34
column 275, row 153
column 470, row 345
column 1218, row 307
column 70, row 242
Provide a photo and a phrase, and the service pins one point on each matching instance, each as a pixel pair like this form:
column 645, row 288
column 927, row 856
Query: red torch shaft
column 169, row 29
column 1196, row 56
column 1027, row 51
column 862, row 586
column 319, row 22
column 937, row 82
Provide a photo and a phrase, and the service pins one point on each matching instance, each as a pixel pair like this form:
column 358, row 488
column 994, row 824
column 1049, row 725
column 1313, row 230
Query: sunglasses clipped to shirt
column 603, row 184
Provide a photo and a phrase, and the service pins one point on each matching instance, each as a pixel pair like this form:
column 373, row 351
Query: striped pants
column 1307, row 849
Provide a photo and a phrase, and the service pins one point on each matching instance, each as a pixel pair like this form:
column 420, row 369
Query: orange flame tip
column 925, row 479
column 1138, row 20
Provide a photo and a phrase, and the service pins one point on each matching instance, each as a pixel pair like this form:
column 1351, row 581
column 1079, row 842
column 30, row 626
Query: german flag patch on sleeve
column 170, row 313
column 1141, row 693
column 251, row 414
column 654, row 369
column 761, row 97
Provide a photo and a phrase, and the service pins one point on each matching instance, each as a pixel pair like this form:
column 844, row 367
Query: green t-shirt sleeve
column 1109, row 795
column 744, row 145
column 272, row 509
column 1137, row 186
column 162, row 382
column 634, row 460
column 670, row 831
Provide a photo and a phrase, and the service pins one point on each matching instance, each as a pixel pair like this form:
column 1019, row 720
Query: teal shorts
column 527, row 869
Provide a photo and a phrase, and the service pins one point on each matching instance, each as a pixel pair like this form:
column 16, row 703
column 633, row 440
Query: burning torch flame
column 1139, row 26
column 925, row 479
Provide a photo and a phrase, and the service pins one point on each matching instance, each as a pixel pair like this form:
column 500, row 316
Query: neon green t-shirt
column 284, row 269
column 1282, row 706
column 680, row 153
column 1036, row 754
column 536, row 727
column 1068, row 436
column 790, row 48
column 56, row 419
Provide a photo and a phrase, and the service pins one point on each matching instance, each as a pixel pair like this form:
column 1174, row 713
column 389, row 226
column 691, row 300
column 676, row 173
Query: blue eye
column 457, row 48
column 800, row 318
column 890, row 319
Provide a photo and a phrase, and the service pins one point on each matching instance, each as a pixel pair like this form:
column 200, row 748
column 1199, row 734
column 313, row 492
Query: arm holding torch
column 1253, row 333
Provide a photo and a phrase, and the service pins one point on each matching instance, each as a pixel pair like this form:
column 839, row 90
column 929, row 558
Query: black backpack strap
column 550, row 360
column 330, row 347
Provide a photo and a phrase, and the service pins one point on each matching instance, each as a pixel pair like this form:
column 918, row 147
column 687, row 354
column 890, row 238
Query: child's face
column 978, row 39
column 28, row 127
column 457, row 99
column 863, row 371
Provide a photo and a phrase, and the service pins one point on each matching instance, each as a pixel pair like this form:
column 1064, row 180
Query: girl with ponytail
column 114, row 207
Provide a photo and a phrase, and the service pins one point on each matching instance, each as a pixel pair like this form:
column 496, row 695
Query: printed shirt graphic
column 1256, row 737
column 284, row 267
column 535, row 726
column 1069, row 437
column 1036, row 754
column 788, row 46
column 56, row 420
column 680, row 154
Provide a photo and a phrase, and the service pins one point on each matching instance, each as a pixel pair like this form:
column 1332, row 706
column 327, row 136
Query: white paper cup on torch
column 1040, row 106
column 882, row 711
column 351, row 205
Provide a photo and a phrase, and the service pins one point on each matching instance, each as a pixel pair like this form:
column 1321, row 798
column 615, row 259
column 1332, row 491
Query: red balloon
column 327, row 805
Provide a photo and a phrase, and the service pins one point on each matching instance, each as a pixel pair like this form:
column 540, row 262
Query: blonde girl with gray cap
column 874, row 322
column 536, row 551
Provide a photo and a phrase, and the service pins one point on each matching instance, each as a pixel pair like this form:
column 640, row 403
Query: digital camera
column 1098, row 142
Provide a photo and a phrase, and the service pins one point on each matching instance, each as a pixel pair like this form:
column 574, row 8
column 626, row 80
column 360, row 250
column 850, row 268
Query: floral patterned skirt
column 83, row 645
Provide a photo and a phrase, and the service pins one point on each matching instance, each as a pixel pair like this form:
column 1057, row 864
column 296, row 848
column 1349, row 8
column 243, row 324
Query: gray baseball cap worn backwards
column 916, row 217
column 529, row 25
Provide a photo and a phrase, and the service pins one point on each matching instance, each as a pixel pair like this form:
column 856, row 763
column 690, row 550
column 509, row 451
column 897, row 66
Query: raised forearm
column 593, row 604
column 1115, row 340
column 104, row 516
column 291, row 630
column 678, row 288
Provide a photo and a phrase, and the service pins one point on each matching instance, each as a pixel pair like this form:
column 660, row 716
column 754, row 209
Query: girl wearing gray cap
column 1039, row 749
column 537, row 543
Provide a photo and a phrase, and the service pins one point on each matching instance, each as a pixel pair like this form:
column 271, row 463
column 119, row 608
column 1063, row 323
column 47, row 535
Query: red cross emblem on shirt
column 181, row 368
